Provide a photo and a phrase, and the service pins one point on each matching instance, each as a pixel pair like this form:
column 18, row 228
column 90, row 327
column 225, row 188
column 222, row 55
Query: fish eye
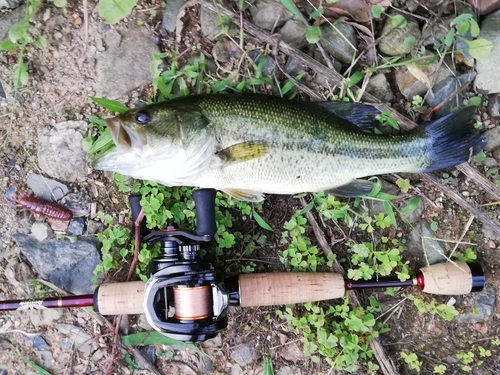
column 142, row 117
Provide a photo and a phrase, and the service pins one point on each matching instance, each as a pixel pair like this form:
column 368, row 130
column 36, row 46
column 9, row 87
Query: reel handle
column 204, row 200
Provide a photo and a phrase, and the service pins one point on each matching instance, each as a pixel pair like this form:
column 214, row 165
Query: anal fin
column 244, row 195
column 355, row 188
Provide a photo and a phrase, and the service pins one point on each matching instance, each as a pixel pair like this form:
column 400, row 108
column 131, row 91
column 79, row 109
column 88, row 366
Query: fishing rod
column 186, row 299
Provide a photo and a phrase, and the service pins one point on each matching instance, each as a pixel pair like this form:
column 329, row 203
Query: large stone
column 125, row 65
column 484, row 305
column 445, row 89
column 488, row 68
column 244, row 354
column 393, row 38
column 410, row 86
column 9, row 19
column 423, row 246
column 492, row 138
column 268, row 14
column 10, row 4
column 379, row 87
column 46, row 188
column 170, row 15
column 294, row 33
column 60, row 151
column 68, row 265
column 339, row 41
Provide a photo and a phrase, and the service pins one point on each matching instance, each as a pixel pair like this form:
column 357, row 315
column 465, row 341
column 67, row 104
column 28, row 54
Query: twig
column 85, row 24
column 466, row 229
column 385, row 363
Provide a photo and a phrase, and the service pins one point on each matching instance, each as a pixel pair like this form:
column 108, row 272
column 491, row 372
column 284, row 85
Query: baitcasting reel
column 185, row 298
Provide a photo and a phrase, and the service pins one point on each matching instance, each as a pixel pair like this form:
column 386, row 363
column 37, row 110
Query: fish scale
column 248, row 145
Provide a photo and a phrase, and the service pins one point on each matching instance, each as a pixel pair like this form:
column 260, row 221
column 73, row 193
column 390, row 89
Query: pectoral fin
column 245, row 195
column 243, row 151
column 355, row 188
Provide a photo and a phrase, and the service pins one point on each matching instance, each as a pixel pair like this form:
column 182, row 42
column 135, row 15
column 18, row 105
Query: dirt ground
column 62, row 77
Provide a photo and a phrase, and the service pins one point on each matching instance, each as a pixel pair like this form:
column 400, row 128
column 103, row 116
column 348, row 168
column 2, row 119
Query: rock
column 45, row 317
column 78, row 338
column 494, row 105
column 76, row 226
column 393, row 38
column 70, row 266
column 481, row 371
column 293, row 32
column 490, row 162
column 268, row 14
column 485, row 6
column 46, row 358
column 94, row 227
column 490, row 232
column 496, row 154
column 492, row 138
column 37, row 342
column 444, row 89
column 3, row 95
column 142, row 322
column 488, row 68
column 294, row 66
column 208, row 23
column 425, row 249
column 60, row 151
column 215, row 342
column 289, row 370
column 379, row 87
column 149, row 351
column 292, row 352
column 205, row 365
column 46, row 188
column 335, row 43
column 78, row 205
column 9, row 19
column 10, row 4
column 225, row 50
column 244, row 354
column 432, row 32
column 484, row 304
column 410, row 86
column 40, row 231
column 114, row 76
column 170, row 15
column 270, row 67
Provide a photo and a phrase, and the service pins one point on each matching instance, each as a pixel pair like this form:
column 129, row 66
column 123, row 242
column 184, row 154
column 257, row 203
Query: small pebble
column 465, row 193
column 491, row 244
column 58, row 35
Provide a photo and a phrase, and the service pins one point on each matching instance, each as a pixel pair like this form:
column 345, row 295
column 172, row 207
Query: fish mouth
column 125, row 139
column 124, row 136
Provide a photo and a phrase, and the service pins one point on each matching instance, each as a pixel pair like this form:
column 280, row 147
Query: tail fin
column 453, row 142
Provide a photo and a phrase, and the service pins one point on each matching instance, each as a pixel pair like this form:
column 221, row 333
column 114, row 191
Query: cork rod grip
column 120, row 298
column 285, row 288
column 447, row 278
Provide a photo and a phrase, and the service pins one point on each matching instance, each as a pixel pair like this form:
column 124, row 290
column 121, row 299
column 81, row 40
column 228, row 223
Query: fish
column 250, row 145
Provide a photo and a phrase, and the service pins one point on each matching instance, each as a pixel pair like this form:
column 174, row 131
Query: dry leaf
column 420, row 75
column 358, row 10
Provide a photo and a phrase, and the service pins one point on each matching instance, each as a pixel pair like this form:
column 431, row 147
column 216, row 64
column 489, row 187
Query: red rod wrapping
column 52, row 302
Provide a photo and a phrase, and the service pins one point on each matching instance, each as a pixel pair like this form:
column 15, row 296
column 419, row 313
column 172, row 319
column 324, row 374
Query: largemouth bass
column 247, row 145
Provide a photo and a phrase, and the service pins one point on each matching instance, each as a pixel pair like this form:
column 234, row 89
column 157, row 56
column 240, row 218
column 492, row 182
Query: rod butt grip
column 452, row 278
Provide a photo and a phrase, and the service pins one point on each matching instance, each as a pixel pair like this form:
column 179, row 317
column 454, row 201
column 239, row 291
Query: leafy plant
column 447, row 312
column 467, row 256
column 339, row 334
column 113, row 11
column 383, row 262
column 412, row 360
column 465, row 24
